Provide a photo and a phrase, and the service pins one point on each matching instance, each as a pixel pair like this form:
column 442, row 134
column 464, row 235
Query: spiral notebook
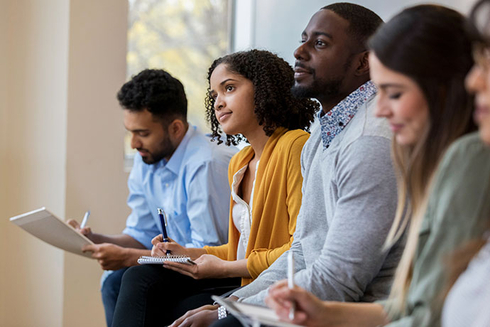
column 252, row 315
column 145, row 260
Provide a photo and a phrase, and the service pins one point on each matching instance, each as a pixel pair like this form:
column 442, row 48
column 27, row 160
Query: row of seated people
column 371, row 215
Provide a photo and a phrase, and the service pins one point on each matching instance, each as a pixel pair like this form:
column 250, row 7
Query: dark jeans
column 110, row 292
column 151, row 295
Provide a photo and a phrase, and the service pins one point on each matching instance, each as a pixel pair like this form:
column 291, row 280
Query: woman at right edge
column 467, row 302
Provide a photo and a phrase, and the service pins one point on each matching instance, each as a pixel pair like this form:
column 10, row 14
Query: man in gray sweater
column 349, row 187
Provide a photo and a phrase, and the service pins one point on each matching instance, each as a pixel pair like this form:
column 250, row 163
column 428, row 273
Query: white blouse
column 468, row 302
column 242, row 212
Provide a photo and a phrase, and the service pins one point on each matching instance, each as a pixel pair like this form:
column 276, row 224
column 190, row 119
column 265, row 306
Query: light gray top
column 348, row 206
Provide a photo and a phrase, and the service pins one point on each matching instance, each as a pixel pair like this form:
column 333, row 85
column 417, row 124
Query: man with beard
column 176, row 168
column 349, row 186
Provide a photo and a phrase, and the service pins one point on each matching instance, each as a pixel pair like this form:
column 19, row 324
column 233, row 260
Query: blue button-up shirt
column 192, row 188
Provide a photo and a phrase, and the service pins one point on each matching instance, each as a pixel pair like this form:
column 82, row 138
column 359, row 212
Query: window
column 183, row 37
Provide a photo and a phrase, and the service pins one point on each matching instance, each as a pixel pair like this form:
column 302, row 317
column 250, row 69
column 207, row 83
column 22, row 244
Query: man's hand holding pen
column 113, row 252
column 85, row 231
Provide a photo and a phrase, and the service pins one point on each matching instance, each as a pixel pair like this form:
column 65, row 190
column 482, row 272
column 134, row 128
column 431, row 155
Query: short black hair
column 363, row 22
column 156, row 91
column 275, row 105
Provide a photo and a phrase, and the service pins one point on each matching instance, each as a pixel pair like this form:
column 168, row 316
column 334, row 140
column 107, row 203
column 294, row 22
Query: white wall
column 61, row 142
column 277, row 24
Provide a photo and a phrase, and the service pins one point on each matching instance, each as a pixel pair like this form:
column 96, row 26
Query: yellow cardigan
column 276, row 201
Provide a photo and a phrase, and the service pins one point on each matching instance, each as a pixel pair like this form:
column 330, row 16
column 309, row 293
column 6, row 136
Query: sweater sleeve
column 256, row 291
column 220, row 251
column 351, row 256
column 261, row 258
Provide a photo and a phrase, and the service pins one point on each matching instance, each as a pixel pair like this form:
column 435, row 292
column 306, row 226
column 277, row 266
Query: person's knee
column 112, row 283
column 110, row 293
column 141, row 273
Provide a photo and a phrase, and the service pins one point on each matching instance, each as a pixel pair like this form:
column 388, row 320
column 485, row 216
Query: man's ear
column 177, row 129
column 362, row 63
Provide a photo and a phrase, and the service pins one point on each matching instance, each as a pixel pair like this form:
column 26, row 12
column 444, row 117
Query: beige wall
column 3, row 154
column 61, row 63
column 94, row 173
column 35, row 151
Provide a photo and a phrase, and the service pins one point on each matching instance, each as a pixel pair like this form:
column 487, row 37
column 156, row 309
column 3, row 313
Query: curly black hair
column 275, row 106
column 156, row 91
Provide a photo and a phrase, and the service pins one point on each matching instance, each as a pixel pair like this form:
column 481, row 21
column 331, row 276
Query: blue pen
column 163, row 221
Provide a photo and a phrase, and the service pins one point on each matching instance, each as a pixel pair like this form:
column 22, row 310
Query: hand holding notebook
column 47, row 227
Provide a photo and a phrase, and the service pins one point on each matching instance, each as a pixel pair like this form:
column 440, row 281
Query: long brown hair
column 429, row 44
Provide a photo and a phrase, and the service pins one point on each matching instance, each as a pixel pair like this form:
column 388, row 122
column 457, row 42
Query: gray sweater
column 349, row 202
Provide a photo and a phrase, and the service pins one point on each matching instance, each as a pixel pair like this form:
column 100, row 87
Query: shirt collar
column 334, row 121
column 176, row 159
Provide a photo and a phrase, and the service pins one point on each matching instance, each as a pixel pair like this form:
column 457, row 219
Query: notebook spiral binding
column 160, row 260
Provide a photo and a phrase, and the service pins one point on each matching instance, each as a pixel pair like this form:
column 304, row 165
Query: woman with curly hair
column 249, row 98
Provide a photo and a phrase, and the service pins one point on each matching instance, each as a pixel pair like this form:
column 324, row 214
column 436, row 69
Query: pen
column 163, row 221
column 85, row 219
column 291, row 282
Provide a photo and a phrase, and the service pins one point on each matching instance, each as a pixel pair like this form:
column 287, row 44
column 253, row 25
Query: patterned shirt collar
column 334, row 121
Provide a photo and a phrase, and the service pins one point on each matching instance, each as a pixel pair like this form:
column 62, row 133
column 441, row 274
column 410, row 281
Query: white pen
column 85, row 218
column 291, row 281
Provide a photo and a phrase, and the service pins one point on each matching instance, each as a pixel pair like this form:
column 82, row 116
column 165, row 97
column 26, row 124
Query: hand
column 310, row 311
column 86, row 231
column 202, row 316
column 160, row 247
column 109, row 256
column 207, row 266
